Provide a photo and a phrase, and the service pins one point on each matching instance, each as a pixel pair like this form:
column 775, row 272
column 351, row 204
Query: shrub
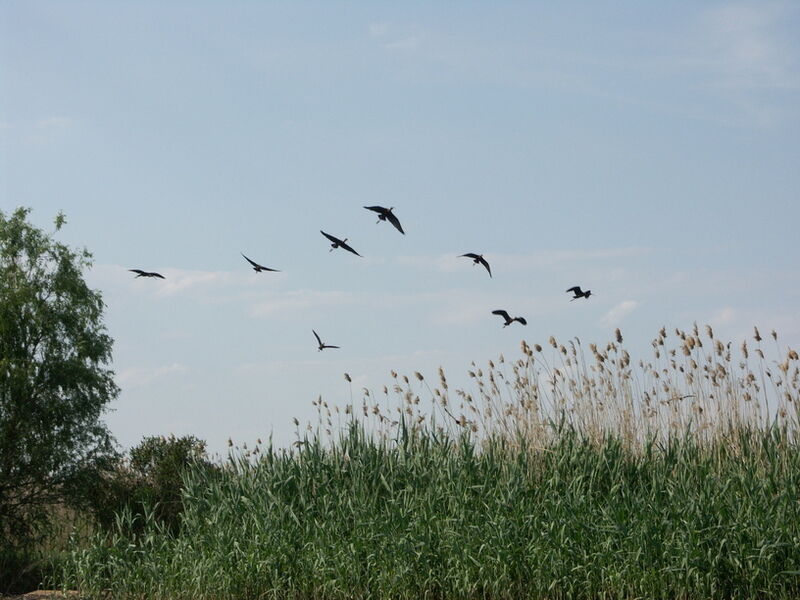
column 151, row 479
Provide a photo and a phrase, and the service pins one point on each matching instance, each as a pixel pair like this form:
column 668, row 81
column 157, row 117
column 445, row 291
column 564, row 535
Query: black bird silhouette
column 257, row 267
column 141, row 273
column 477, row 259
column 321, row 345
column 508, row 318
column 337, row 243
column 579, row 293
column 386, row 214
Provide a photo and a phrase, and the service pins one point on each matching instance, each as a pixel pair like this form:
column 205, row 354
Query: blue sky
column 649, row 153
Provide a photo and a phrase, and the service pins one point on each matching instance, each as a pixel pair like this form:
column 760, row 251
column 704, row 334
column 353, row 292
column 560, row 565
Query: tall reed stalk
column 558, row 476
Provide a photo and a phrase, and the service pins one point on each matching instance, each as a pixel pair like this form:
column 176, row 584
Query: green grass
column 553, row 477
column 435, row 518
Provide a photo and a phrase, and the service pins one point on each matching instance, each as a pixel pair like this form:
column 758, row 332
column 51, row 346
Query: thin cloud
column 407, row 43
column 180, row 281
column 54, row 122
column 377, row 30
column 748, row 56
column 450, row 263
column 615, row 316
column 44, row 131
column 142, row 376
column 383, row 31
column 299, row 300
column 723, row 316
column 745, row 47
column 389, row 361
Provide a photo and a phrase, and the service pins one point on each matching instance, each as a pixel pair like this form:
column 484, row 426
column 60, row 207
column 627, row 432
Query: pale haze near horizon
column 648, row 153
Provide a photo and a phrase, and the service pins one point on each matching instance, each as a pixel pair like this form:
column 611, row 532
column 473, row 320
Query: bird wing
column 522, row 320
column 255, row 264
column 330, row 237
column 502, row 313
column 378, row 209
column 469, row 255
column 394, row 221
column 348, row 248
column 262, row 267
column 329, row 346
column 575, row 289
column 139, row 271
column 485, row 264
column 319, row 341
column 159, row 275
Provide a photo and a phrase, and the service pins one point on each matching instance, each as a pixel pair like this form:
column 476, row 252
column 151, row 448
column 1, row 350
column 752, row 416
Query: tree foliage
column 151, row 480
column 54, row 380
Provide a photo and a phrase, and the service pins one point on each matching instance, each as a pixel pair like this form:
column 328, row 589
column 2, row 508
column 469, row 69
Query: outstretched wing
column 471, row 255
column 335, row 240
column 378, row 209
column 502, row 313
column 522, row 320
column 255, row 264
column 140, row 273
column 329, row 346
column 575, row 290
column 394, row 221
column 485, row 264
column 319, row 341
column 260, row 267
column 348, row 248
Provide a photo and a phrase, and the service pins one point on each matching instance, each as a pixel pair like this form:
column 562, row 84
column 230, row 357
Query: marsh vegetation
column 566, row 472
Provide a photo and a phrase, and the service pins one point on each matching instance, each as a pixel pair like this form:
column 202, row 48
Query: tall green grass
column 560, row 504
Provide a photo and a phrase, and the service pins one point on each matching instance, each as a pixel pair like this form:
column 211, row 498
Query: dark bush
column 151, row 478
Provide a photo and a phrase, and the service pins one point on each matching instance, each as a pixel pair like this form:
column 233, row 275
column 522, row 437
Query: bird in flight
column 141, row 273
column 321, row 345
column 578, row 293
column 386, row 214
column 257, row 267
column 337, row 243
column 477, row 259
column 508, row 318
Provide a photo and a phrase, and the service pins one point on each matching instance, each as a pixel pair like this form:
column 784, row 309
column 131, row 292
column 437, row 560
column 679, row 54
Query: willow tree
column 54, row 381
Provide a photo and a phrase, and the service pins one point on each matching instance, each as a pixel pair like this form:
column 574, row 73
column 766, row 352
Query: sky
column 646, row 151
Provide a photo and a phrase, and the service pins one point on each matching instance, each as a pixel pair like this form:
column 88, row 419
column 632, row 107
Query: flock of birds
column 387, row 214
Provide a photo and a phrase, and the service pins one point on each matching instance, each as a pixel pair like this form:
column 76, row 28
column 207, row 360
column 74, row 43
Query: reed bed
column 560, row 474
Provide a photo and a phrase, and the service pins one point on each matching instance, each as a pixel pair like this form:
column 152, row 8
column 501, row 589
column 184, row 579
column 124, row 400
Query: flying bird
column 386, row 214
column 477, row 259
column 141, row 273
column 578, row 293
column 257, row 267
column 337, row 243
column 321, row 345
column 508, row 318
